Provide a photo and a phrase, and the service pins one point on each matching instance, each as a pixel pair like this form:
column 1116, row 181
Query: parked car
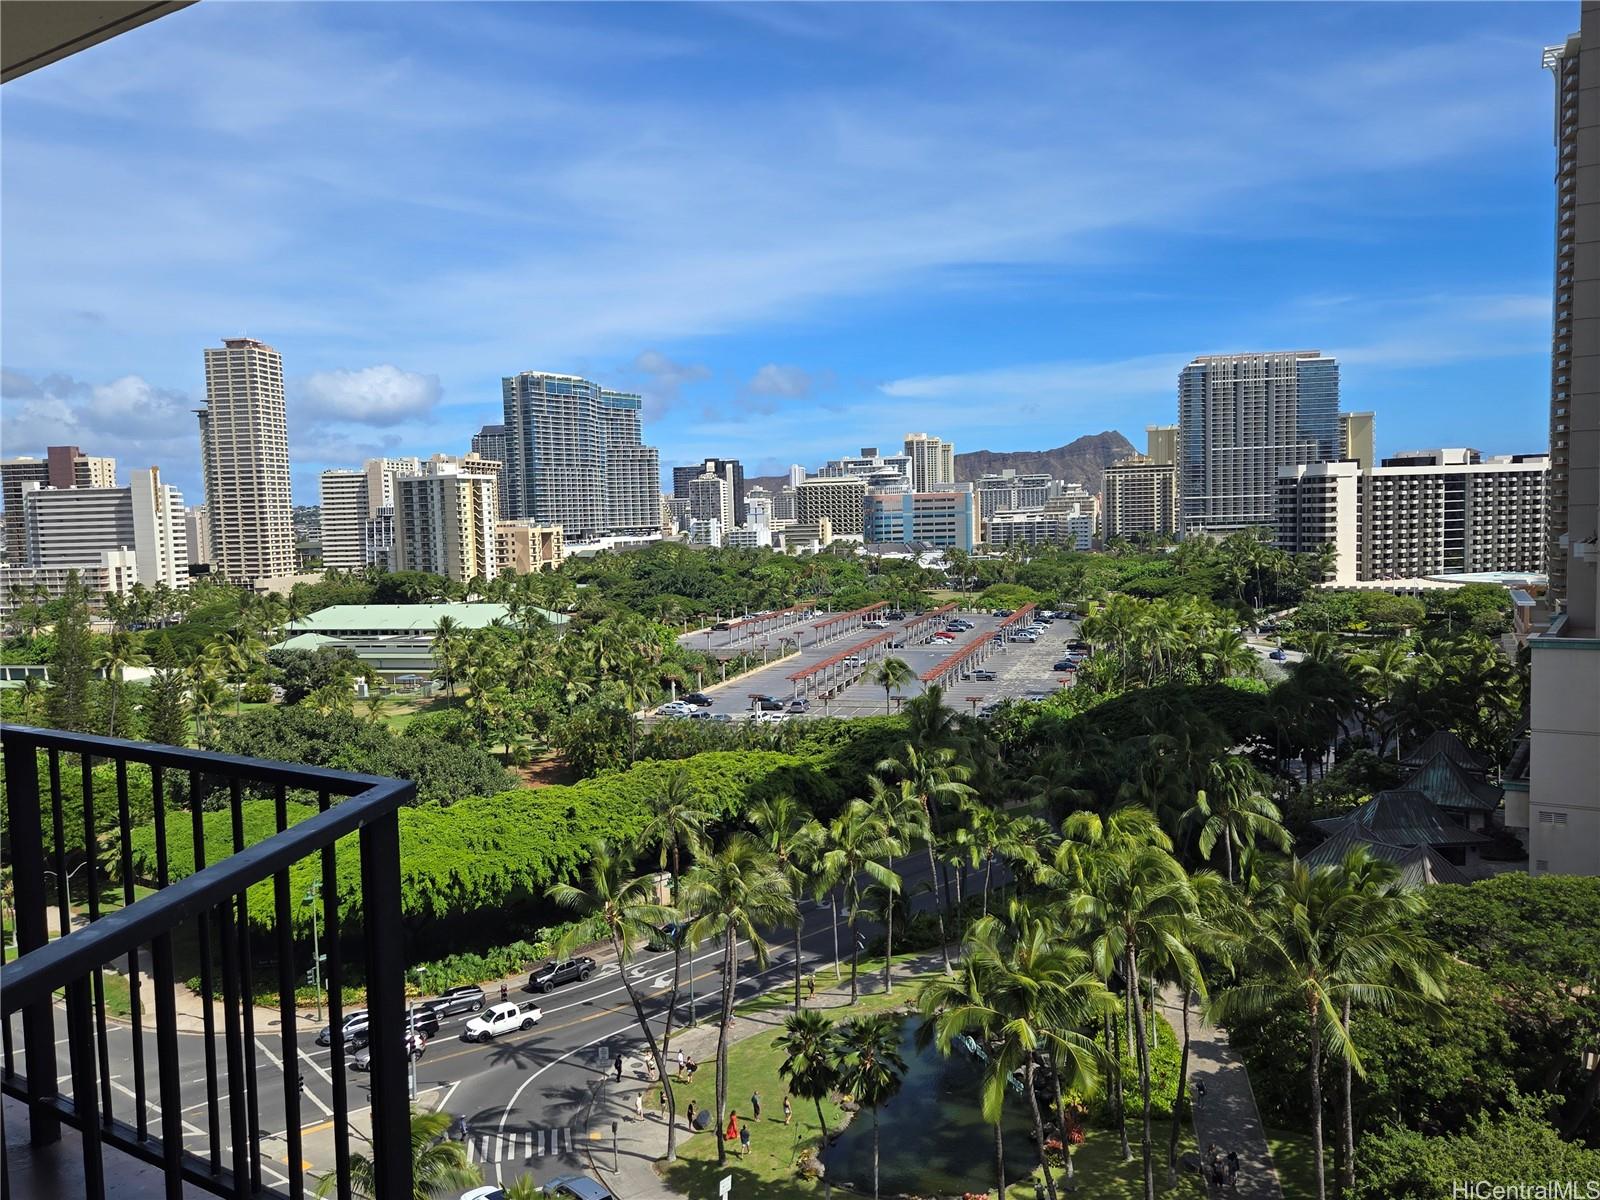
column 1075, row 644
column 502, row 1019
column 1278, row 655
column 354, row 1029
column 1003, row 612
column 1065, row 664
column 576, row 1187
column 799, row 704
column 768, row 704
column 699, row 714
column 722, row 718
column 722, row 627
column 416, row 1044
column 984, row 676
column 674, row 708
column 467, row 998
column 875, row 624
column 698, row 699
column 853, row 661
column 553, row 974
column 424, row 1020
column 769, row 716
column 894, row 615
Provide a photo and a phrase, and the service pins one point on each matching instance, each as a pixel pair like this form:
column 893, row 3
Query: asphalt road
column 525, row 1097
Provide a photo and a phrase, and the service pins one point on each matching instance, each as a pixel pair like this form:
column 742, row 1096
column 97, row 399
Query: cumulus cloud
column 382, row 395
column 664, row 379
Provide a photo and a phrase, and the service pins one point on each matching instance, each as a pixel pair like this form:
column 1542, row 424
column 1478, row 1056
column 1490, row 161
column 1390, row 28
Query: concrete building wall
column 1140, row 496
column 841, row 499
column 343, row 496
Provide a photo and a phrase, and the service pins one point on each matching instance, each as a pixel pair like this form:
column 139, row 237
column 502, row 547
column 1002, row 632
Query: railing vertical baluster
column 239, row 1125
column 203, row 932
column 80, row 1024
column 125, row 823
column 58, row 819
column 167, row 1057
column 335, row 982
column 247, row 991
column 386, row 1017
column 91, row 869
column 283, row 917
column 30, row 905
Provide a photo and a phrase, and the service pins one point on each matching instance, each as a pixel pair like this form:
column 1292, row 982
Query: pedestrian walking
column 502, row 993
column 1200, row 1088
column 1233, row 1166
column 680, row 1062
column 638, row 1105
column 661, row 1101
column 788, row 1109
column 755, row 1105
column 688, row 1115
column 811, row 986
column 732, row 1132
column 744, row 1140
column 617, row 1064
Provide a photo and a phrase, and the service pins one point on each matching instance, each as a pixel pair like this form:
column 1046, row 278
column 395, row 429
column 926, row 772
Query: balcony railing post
column 391, row 1106
column 27, row 872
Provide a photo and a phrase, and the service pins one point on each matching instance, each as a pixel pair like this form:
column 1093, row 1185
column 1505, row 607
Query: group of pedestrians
column 1221, row 1171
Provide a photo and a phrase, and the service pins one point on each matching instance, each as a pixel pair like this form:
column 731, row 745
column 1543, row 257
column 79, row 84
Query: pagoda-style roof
column 1441, row 780
column 1446, row 743
column 1402, row 817
column 1419, row 865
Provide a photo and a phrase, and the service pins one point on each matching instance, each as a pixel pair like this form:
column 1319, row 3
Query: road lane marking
column 517, row 1095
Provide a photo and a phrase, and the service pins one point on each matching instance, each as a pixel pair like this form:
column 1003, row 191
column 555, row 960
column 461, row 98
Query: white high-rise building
column 343, row 496
column 66, row 528
column 197, row 529
column 61, row 467
column 933, row 462
column 711, row 499
column 1240, row 418
column 1419, row 514
column 797, row 475
column 244, row 448
column 445, row 522
column 841, row 499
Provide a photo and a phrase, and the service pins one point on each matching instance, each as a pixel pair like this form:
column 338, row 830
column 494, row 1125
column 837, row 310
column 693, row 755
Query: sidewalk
column 641, row 1144
column 1226, row 1115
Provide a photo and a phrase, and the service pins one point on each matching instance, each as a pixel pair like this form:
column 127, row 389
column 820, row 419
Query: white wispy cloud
column 381, row 395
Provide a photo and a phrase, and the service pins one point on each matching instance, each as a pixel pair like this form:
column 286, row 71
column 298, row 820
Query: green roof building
column 395, row 640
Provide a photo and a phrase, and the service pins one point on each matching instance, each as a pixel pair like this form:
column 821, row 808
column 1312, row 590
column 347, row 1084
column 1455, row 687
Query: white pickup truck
column 502, row 1018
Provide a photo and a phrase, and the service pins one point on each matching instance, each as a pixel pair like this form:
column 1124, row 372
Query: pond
column 933, row 1138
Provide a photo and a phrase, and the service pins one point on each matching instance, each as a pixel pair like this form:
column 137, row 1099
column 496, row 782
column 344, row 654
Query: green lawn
column 1296, row 1162
column 769, row 1172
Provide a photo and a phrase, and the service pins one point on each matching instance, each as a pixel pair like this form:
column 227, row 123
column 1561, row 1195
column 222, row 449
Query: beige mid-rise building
column 1561, row 805
column 445, row 522
column 1140, row 496
column 524, row 547
column 244, row 449
column 1357, row 438
column 197, row 528
column 343, row 496
column 61, row 467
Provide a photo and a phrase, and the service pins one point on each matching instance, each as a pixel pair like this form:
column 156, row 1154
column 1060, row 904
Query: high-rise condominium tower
column 933, row 462
column 575, row 457
column 444, row 521
column 244, row 449
column 1240, row 418
column 730, row 469
column 61, row 467
column 491, row 443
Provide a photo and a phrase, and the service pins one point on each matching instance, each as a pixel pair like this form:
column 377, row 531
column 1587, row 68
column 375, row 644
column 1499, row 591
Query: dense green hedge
column 486, row 856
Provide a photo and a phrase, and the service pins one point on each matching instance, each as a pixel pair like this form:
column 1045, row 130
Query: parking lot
column 1021, row 669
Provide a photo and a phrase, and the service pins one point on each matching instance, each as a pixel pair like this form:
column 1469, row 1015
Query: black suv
column 468, row 998
column 550, row 976
column 355, row 1030
column 424, row 1021
column 699, row 699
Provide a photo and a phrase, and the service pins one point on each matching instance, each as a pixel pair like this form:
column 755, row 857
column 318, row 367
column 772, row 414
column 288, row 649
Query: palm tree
column 796, row 840
column 810, row 1059
column 1387, row 950
column 119, row 654
column 447, row 648
column 737, row 892
column 860, row 843
column 892, row 674
column 906, row 820
column 1234, row 811
column 206, row 697
column 439, row 1166
column 934, row 775
column 872, row 1069
column 1316, row 949
column 624, row 907
column 1225, row 653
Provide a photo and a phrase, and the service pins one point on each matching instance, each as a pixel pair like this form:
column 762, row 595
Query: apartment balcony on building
column 118, row 1079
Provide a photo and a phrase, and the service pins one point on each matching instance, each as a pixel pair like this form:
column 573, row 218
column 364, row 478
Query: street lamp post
column 311, row 898
column 411, row 1032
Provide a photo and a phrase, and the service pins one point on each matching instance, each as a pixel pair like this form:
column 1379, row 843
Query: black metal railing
column 205, row 917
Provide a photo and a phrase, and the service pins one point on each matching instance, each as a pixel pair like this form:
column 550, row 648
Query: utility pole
column 411, row 1032
column 311, row 898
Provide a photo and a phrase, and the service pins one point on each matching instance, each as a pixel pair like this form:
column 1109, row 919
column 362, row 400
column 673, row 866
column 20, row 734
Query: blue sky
column 797, row 230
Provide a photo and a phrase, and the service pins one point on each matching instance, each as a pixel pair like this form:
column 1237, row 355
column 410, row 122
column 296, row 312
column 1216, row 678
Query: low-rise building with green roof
column 395, row 640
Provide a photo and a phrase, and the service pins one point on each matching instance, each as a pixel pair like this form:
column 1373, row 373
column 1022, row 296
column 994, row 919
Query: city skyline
column 1073, row 321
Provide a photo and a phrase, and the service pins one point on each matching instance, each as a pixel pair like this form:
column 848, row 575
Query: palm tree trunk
column 1061, row 1118
column 874, row 1152
column 999, row 1162
column 1227, row 851
column 888, row 942
column 1118, row 1101
column 1038, row 1129
column 855, row 951
column 1144, row 1072
column 798, row 923
column 729, row 966
column 1316, row 1098
column 1180, row 1099
column 988, row 868
column 1348, row 1175
column 938, row 908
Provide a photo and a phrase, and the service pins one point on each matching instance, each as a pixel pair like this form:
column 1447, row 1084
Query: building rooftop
column 1446, row 743
column 405, row 618
column 1444, row 782
column 1418, row 864
column 1402, row 817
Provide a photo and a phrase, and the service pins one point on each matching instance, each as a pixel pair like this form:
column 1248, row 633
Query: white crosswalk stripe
column 513, row 1147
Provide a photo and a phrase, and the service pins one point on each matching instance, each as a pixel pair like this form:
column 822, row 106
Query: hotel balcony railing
column 203, row 915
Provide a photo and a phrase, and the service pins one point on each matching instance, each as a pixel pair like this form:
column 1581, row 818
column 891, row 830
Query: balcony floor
column 57, row 1170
